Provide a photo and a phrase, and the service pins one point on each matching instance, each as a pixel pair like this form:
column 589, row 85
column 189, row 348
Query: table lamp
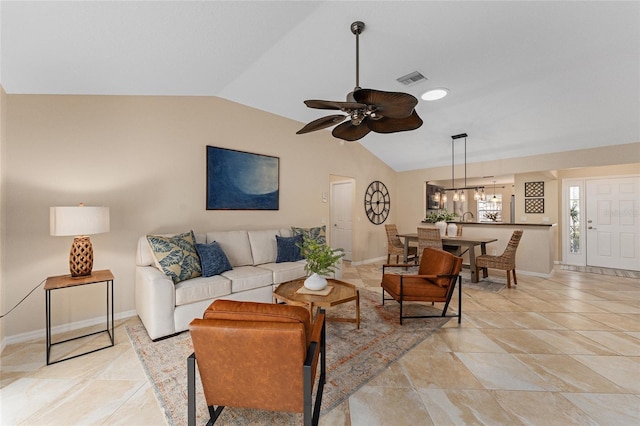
column 79, row 221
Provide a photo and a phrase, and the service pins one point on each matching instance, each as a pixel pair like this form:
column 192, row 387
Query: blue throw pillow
column 288, row 250
column 212, row 259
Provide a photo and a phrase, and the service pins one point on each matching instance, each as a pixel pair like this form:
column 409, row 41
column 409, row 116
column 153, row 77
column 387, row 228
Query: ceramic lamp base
column 81, row 257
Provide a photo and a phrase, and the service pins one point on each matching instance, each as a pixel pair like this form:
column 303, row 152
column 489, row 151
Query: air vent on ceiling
column 412, row 78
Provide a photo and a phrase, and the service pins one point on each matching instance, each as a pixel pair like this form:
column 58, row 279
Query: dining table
column 463, row 242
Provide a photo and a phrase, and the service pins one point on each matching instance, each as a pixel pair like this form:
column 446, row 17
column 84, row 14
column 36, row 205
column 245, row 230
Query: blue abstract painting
column 238, row 180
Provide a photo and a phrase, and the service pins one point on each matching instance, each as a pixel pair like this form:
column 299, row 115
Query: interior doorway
column 341, row 220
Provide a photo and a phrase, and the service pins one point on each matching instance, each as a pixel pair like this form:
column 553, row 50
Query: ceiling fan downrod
column 357, row 28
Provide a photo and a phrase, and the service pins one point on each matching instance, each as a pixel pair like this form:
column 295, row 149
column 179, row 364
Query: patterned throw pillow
column 288, row 250
column 176, row 256
column 212, row 259
column 319, row 233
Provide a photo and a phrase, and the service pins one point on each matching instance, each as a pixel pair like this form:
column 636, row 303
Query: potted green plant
column 440, row 219
column 321, row 261
column 439, row 216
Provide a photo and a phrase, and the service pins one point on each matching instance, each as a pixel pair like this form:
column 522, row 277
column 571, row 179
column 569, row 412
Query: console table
column 66, row 281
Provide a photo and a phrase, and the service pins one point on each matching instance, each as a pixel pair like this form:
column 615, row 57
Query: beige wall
column 144, row 157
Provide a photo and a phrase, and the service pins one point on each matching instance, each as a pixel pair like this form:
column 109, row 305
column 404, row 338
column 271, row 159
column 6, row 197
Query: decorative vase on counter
column 442, row 226
column 315, row 282
column 452, row 230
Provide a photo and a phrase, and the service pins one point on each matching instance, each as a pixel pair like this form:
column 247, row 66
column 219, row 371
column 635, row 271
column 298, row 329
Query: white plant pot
column 315, row 282
column 442, row 226
column 452, row 230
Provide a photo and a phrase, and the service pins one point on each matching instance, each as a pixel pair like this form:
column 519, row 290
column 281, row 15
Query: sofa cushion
column 263, row 245
column 201, row 288
column 286, row 271
column 212, row 259
column 288, row 249
column 286, row 232
column 235, row 245
column 248, row 277
column 318, row 233
column 176, row 256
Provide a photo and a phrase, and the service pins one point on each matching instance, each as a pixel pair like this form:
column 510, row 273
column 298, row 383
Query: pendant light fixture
column 459, row 193
column 494, row 199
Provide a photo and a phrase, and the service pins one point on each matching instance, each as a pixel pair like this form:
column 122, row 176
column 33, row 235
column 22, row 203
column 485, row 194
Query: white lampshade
column 78, row 220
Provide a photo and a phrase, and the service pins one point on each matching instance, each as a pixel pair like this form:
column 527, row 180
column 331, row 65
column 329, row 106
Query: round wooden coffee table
column 342, row 292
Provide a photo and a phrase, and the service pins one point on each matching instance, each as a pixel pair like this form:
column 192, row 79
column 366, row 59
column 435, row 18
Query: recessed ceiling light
column 435, row 94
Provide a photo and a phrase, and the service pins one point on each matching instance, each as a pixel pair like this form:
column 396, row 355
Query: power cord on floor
column 18, row 304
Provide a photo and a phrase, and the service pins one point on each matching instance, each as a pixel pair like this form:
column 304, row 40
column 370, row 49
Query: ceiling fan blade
column 349, row 132
column 389, row 104
column 392, row 125
column 344, row 106
column 322, row 123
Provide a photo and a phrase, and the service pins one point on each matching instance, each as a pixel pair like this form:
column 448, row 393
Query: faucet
column 464, row 214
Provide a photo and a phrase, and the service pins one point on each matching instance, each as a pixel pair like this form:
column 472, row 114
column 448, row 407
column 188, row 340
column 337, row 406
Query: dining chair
column 429, row 237
column 506, row 261
column 395, row 246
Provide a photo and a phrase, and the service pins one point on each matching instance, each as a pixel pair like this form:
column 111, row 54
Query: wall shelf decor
column 534, row 189
column 534, row 205
column 238, row 180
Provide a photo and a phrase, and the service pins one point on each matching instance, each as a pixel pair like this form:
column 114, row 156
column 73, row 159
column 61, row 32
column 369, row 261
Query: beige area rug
column 353, row 358
column 494, row 283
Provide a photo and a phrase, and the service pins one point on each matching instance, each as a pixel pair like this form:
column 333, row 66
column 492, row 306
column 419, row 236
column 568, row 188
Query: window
column 490, row 211
column 574, row 219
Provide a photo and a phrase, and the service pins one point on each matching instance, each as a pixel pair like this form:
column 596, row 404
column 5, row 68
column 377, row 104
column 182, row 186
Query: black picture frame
column 534, row 205
column 534, row 189
column 239, row 180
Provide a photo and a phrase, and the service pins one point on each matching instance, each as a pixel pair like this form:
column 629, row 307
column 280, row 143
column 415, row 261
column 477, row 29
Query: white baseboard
column 38, row 334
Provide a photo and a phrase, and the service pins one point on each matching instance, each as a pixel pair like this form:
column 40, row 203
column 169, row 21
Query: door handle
column 591, row 227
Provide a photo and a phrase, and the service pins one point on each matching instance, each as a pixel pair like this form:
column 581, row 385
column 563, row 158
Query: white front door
column 613, row 223
column 341, row 213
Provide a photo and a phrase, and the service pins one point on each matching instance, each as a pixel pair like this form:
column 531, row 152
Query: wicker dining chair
column 506, row 261
column 429, row 237
column 395, row 246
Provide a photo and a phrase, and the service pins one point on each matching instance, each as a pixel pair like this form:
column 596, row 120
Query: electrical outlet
column 494, row 253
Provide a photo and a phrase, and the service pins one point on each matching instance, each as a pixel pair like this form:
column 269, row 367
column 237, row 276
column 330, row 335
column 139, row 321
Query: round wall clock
column 377, row 202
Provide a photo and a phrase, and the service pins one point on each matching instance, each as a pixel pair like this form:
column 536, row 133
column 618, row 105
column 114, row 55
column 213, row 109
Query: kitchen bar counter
column 523, row 224
column 536, row 253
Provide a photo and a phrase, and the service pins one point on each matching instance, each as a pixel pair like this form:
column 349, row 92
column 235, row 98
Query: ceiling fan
column 367, row 109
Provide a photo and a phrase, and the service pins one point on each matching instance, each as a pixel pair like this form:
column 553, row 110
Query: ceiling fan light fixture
column 368, row 110
column 435, row 94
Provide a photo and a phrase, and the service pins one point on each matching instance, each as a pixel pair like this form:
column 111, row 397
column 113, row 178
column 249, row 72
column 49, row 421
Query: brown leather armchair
column 435, row 282
column 257, row 355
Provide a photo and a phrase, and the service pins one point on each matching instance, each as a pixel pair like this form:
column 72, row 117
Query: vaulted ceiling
column 524, row 77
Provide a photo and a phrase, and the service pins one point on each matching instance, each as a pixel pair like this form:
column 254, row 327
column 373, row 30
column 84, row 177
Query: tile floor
column 557, row 351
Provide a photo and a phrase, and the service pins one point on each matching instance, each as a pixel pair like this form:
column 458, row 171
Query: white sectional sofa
column 166, row 308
